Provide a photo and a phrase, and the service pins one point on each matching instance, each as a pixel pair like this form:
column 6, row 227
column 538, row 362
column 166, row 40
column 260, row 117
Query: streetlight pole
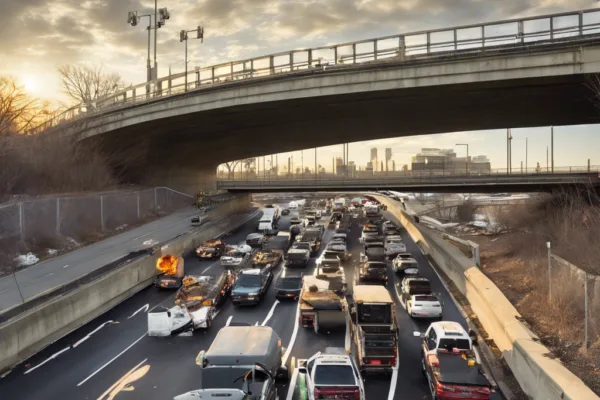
column 526, row 153
column 552, row 148
column 183, row 37
column 467, row 163
column 160, row 16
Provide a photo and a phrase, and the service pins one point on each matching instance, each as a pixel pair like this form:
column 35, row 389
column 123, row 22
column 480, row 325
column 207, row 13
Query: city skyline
column 573, row 146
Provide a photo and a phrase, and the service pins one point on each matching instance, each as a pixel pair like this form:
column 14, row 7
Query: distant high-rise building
column 369, row 167
column 374, row 158
column 340, row 168
column 388, row 157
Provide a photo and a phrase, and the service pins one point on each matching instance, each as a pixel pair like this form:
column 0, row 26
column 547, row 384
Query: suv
column 394, row 245
column 251, row 286
column 405, row 263
column 333, row 375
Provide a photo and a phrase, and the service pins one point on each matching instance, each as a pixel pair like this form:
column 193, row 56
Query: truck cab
column 374, row 330
column 242, row 363
column 450, row 364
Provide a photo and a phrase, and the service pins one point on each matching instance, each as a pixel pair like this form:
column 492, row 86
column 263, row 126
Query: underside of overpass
column 183, row 142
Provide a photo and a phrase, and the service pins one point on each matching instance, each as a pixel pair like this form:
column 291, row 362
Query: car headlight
column 253, row 294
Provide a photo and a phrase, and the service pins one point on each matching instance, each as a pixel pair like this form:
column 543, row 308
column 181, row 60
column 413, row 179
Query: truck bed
column 455, row 370
column 321, row 300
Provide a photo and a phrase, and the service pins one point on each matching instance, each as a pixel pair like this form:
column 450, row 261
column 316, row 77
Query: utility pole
column 316, row 171
column 526, row 153
column 552, row 148
column 508, row 151
column 547, row 165
column 548, row 245
column 183, row 37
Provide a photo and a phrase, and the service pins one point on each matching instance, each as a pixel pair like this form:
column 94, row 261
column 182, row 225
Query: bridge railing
column 411, row 176
column 477, row 38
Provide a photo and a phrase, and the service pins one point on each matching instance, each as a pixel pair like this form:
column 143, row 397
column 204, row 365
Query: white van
column 266, row 221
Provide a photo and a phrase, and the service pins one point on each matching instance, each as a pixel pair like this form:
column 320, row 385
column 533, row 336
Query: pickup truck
column 211, row 249
column 374, row 330
column 267, row 258
column 450, row 364
column 330, row 268
column 321, row 306
column 331, row 375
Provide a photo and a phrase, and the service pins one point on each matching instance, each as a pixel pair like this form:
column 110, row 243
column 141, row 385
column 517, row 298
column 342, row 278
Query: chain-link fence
column 579, row 290
column 79, row 216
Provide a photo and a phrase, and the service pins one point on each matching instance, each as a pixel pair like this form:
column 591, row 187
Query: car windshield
column 449, row 344
column 290, row 283
column 236, row 254
column 303, row 246
column 376, row 266
column 248, row 280
column 296, row 256
column 395, row 241
column 334, row 375
column 426, row 298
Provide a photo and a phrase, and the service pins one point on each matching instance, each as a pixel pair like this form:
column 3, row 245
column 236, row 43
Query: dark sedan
column 373, row 271
column 288, row 287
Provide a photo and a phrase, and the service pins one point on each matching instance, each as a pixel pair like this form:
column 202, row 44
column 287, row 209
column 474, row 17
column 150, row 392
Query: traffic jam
column 349, row 270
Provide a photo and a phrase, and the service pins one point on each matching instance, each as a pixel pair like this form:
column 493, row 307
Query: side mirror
column 283, row 374
column 201, row 360
column 473, row 337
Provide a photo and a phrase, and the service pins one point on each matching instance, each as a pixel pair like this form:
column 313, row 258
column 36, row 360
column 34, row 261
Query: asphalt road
column 57, row 271
column 160, row 368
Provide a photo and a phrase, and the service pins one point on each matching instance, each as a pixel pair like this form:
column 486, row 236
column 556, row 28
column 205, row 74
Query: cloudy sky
column 40, row 35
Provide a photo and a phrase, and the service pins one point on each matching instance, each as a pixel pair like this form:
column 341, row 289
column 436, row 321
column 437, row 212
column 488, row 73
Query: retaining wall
column 541, row 377
column 30, row 332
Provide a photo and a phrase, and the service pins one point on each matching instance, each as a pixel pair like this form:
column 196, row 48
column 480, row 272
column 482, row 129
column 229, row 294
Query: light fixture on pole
column 183, row 37
column 132, row 19
column 160, row 16
column 467, row 163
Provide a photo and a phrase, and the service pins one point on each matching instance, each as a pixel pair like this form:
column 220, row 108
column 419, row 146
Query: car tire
column 208, row 323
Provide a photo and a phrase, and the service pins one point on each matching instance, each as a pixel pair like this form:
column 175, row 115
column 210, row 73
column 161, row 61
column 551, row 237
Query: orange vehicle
column 171, row 272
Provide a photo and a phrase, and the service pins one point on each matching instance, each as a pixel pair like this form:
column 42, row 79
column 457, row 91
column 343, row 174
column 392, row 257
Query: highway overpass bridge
column 515, row 183
column 514, row 73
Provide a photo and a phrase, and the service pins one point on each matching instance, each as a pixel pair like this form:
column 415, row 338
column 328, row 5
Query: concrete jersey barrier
column 540, row 377
column 30, row 332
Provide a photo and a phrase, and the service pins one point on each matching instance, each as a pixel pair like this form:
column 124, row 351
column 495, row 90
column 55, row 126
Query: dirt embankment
column 517, row 262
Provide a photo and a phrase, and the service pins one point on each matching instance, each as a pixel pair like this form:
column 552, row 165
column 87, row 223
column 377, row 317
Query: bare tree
column 88, row 84
column 18, row 111
column 231, row 167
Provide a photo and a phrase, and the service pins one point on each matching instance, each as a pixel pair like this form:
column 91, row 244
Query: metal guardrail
column 477, row 38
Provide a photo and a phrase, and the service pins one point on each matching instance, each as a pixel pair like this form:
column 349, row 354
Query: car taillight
column 483, row 390
column 444, row 388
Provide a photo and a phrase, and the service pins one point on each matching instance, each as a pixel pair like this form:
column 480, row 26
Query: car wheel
column 208, row 323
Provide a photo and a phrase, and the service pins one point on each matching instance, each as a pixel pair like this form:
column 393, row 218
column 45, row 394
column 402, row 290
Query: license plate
column 250, row 298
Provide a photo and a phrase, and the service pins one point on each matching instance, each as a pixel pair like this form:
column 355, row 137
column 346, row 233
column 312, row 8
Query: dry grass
column 517, row 263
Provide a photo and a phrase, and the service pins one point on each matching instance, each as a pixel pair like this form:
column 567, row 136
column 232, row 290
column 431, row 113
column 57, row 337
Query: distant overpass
column 493, row 183
column 514, row 73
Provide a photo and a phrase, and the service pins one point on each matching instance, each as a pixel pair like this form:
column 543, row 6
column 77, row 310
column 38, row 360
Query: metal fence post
column 21, row 218
column 58, row 216
column 580, row 24
column 291, row 61
column 155, row 200
column 585, row 307
column 548, row 245
column 138, row 204
column 401, row 47
column 102, row 212
column 353, row 53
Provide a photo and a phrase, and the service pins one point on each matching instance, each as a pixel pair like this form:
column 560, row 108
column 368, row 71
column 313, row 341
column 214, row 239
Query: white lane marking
column 256, row 324
column 348, row 339
column 209, row 267
column 477, row 356
column 288, row 351
column 4, row 375
column 5, row 290
column 292, row 386
column 113, row 359
column 229, row 320
column 66, row 266
column 42, row 277
column 131, row 371
column 89, row 335
column 52, row 357
column 393, row 382
column 270, row 314
column 144, row 307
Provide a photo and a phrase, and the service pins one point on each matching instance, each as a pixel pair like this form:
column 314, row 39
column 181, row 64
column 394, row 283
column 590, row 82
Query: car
column 424, row 306
column 255, row 239
column 295, row 221
column 369, row 230
column 237, row 257
column 251, row 286
column 405, row 263
column 297, row 257
column 285, row 211
column 302, row 246
column 394, row 245
column 332, row 375
column 211, row 249
column 288, row 287
column 372, row 271
column 338, row 248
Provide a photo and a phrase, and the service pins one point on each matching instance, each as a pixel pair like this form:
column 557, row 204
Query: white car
column 405, row 263
column 394, row 245
column 333, row 375
column 424, row 306
column 237, row 257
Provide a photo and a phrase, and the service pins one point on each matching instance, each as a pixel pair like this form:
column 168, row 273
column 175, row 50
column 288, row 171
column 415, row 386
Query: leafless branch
column 88, row 84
